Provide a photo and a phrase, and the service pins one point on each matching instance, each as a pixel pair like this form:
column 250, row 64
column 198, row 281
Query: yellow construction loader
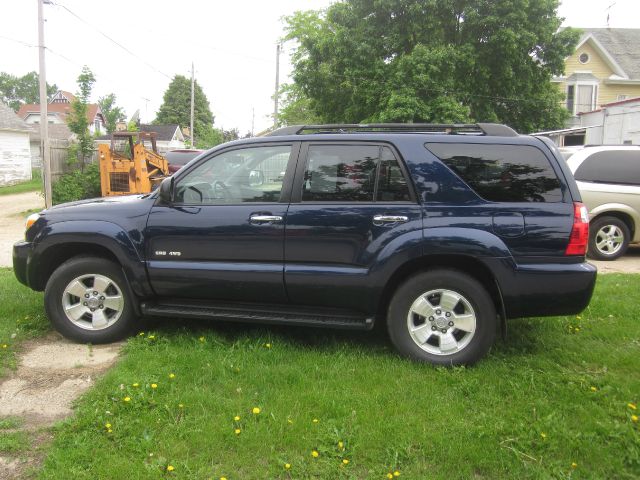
column 127, row 166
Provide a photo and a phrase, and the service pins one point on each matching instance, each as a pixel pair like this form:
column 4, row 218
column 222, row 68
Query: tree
column 297, row 108
column 433, row 61
column 77, row 118
column 176, row 109
column 112, row 113
column 16, row 91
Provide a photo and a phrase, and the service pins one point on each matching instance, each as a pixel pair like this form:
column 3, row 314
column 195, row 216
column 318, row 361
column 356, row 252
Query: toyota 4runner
column 442, row 231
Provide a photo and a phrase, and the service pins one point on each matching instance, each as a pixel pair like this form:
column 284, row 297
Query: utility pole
column 191, row 131
column 253, row 120
column 276, row 93
column 44, row 121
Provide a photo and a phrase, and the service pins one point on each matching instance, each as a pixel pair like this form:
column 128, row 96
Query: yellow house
column 604, row 68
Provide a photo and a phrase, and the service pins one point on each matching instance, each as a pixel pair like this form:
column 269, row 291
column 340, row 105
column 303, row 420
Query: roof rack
column 489, row 129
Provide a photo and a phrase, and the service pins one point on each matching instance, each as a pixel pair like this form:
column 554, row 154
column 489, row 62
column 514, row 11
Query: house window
column 571, row 92
column 583, row 58
column 97, row 124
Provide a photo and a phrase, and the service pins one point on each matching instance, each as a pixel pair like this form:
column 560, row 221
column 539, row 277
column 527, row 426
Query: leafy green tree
column 16, row 91
column 77, row 118
column 433, row 61
column 112, row 113
column 176, row 109
column 296, row 107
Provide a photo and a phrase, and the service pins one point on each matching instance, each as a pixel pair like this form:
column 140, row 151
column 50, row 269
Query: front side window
column 353, row 173
column 237, row 176
column 502, row 173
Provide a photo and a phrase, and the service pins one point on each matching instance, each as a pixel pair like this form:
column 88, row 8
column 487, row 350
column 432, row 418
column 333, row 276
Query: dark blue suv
column 442, row 231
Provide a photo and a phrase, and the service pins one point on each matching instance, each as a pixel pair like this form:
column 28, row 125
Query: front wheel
column 608, row 238
column 86, row 300
column 444, row 317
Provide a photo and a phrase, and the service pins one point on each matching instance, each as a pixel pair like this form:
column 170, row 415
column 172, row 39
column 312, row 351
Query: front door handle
column 382, row 219
column 265, row 218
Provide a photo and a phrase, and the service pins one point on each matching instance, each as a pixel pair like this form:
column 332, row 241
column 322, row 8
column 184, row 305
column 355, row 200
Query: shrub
column 77, row 185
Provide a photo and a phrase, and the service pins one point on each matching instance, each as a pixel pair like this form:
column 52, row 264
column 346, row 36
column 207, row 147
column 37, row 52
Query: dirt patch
column 52, row 373
column 12, row 223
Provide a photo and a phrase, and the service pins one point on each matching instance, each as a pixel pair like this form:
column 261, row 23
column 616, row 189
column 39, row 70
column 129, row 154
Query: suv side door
column 350, row 201
column 222, row 236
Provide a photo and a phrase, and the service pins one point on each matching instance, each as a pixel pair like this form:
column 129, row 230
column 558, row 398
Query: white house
column 15, row 152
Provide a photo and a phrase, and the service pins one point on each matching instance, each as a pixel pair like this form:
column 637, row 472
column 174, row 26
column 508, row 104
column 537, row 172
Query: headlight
column 31, row 219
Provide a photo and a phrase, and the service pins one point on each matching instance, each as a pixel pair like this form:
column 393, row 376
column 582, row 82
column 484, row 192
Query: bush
column 77, row 185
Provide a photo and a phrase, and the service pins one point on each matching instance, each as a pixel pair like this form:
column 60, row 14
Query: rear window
column 502, row 173
column 611, row 166
column 180, row 158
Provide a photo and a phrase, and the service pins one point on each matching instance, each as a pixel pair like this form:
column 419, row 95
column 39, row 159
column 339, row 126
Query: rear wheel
column 444, row 317
column 87, row 300
column 608, row 238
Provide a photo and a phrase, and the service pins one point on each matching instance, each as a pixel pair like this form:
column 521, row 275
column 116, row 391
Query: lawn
column 33, row 185
column 555, row 401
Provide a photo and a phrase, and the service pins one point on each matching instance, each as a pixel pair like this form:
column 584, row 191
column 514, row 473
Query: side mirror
column 256, row 178
column 165, row 192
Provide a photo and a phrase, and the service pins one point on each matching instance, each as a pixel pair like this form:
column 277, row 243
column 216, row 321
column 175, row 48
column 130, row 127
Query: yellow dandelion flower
column 236, row 418
column 632, row 406
column 634, row 418
column 345, row 461
column 255, row 410
column 389, row 475
column 237, row 431
column 315, row 420
column 141, row 334
column 154, row 385
column 594, row 389
column 574, row 465
column 180, row 405
column 315, row 454
column 289, row 421
column 127, row 399
column 201, row 339
column 172, row 375
column 341, row 445
column 396, row 473
column 578, row 317
column 287, row 466
column 107, row 425
column 170, row 468
column 151, row 337
column 577, row 329
column 135, row 385
column 4, row 345
column 267, row 345
column 543, row 435
column 109, row 431
column 223, row 478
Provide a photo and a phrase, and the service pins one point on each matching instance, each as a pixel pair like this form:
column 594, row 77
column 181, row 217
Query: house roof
column 9, row 120
column 622, row 44
column 165, row 132
column 60, row 109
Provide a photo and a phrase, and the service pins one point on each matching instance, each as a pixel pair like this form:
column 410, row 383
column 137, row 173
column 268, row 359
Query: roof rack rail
column 489, row 129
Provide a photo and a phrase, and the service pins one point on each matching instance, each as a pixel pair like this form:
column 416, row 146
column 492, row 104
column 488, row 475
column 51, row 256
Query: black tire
column 598, row 231
column 81, row 267
column 474, row 299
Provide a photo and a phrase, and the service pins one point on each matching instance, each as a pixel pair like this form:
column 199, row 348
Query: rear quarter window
column 502, row 173
column 612, row 166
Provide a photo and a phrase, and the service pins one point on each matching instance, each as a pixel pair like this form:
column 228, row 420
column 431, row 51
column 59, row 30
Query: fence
column 60, row 159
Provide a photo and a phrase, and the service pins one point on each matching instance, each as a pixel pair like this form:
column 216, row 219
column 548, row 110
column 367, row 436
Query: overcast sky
column 233, row 45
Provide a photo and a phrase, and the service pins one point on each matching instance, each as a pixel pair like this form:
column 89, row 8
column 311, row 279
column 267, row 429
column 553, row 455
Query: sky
column 232, row 44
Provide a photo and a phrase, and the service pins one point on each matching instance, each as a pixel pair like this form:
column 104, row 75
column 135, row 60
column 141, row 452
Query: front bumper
column 21, row 254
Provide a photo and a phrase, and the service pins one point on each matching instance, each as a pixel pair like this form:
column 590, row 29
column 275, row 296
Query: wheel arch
column 462, row 263
column 621, row 214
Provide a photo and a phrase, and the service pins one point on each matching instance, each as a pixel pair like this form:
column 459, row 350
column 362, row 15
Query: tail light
column 579, row 232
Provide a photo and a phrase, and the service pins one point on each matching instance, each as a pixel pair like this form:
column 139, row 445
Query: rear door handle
column 382, row 219
column 265, row 218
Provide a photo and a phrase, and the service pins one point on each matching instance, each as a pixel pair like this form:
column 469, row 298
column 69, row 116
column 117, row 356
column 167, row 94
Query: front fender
column 104, row 234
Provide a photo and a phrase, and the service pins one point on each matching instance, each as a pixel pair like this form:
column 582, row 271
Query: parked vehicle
column 442, row 231
column 608, row 178
column 179, row 158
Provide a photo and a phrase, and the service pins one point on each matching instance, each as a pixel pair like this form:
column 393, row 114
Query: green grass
column 33, row 185
column 11, row 442
column 528, row 411
column 21, row 317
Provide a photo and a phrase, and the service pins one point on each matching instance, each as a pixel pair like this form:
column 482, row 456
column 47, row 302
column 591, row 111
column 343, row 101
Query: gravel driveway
column 12, row 230
column 12, row 222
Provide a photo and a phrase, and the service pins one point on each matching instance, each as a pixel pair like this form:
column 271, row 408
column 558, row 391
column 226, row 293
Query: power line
column 113, row 41
column 18, row 41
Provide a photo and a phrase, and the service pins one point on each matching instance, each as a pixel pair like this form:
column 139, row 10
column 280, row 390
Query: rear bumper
column 21, row 254
column 537, row 290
